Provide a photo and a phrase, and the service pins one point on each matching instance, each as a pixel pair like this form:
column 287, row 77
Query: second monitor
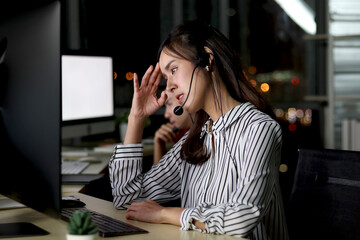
column 87, row 95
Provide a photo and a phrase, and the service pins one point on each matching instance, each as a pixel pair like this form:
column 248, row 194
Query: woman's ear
column 211, row 58
column 211, row 54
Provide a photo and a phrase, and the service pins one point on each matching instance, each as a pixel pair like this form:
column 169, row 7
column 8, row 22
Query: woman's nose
column 170, row 86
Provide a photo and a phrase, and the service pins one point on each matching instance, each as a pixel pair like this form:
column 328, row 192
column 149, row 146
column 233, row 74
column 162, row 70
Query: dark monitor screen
column 30, row 108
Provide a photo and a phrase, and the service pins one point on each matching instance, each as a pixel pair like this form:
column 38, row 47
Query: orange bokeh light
column 253, row 82
column 115, row 75
column 264, row 87
column 129, row 76
column 252, row 70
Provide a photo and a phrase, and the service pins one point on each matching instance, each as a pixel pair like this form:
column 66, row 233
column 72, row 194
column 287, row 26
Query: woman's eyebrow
column 167, row 67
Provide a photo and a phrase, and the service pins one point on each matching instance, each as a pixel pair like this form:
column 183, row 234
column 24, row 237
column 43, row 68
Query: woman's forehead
column 167, row 55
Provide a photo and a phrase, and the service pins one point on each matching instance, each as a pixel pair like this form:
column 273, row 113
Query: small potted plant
column 81, row 226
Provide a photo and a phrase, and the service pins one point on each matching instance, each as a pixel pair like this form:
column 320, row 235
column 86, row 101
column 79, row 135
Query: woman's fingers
column 151, row 78
column 155, row 77
column 136, row 83
column 147, row 211
column 145, row 101
column 145, row 78
column 162, row 98
column 165, row 133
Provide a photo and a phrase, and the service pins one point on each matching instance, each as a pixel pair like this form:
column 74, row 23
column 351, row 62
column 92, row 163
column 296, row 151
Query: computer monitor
column 30, row 108
column 87, row 95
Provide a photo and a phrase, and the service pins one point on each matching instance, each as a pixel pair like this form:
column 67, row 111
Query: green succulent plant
column 81, row 224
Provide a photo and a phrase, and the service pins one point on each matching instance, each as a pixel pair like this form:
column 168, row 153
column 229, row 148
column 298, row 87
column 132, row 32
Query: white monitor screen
column 87, row 87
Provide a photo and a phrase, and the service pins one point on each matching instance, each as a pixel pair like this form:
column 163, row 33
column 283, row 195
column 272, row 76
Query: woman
column 225, row 169
column 172, row 131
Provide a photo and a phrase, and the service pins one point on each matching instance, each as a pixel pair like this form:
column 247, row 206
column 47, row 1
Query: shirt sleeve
column 161, row 183
column 257, row 159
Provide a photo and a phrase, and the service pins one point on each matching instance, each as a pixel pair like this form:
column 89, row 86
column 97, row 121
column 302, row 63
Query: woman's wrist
column 134, row 129
column 132, row 118
column 171, row 215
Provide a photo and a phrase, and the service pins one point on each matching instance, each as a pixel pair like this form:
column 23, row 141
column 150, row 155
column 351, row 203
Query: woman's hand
column 151, row 212
column 147, row 211
column 145, row 101
column 165, row 134
column 162, row 136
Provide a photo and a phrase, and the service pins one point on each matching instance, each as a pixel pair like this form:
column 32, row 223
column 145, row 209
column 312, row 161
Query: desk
column 57, row 227
column 103, row 153
column 94, row 168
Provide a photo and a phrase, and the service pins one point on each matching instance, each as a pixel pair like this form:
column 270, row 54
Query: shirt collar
column 227, row 119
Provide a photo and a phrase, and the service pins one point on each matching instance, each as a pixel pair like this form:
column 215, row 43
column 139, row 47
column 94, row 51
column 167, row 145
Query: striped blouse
column 235, row 192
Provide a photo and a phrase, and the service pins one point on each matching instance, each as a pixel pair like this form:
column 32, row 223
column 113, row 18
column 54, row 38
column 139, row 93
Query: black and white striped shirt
column 235, row 192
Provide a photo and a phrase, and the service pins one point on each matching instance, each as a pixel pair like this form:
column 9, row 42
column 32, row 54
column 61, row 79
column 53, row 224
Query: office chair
column 325, row 198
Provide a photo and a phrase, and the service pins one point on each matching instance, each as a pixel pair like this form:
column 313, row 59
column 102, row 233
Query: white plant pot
column 81, row 237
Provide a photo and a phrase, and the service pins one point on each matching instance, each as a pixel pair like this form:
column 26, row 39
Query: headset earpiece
column 205, row 58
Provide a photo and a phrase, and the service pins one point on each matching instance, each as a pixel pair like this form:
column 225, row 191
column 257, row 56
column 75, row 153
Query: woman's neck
column 214, row 110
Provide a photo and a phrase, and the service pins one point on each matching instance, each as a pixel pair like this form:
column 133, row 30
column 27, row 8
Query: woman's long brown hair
column 188, row 41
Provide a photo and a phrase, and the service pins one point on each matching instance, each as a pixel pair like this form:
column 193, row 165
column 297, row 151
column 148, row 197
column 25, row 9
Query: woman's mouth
column 179, row 98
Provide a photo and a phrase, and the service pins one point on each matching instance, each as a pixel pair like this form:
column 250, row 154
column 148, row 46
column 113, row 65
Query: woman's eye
column 173, row 70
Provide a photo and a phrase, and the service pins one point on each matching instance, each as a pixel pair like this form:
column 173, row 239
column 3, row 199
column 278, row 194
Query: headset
column 203, row 61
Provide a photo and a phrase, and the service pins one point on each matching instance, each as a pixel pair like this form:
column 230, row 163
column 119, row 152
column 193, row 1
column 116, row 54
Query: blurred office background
column 303, row 55
column 308, row 68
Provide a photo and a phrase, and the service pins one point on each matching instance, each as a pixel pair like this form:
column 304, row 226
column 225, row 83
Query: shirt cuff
column 186, row 220
column 128, row 151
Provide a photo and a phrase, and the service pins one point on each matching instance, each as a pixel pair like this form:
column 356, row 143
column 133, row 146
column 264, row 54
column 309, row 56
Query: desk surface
column 57, row 227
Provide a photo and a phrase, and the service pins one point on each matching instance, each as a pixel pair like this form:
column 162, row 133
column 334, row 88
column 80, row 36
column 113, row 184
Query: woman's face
column 177, row 72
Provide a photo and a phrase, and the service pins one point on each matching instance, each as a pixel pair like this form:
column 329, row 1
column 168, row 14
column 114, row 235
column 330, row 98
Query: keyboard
column 107, row 226
column 73, row 167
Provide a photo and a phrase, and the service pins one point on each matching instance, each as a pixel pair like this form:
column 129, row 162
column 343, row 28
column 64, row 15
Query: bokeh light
column 129, row 76
column 295, row 80
column 299, row 113
column 253, row 82
column 252, row 70
column 283, row 168
column 295, row 116
column 264, row 87
column 279, row 113
column 292, row 115
column 292, row 127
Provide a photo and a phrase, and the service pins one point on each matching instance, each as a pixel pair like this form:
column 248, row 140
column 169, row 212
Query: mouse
column 90, row 159
column 71, row 202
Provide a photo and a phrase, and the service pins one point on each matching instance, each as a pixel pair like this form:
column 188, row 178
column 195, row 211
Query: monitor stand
column 20, row 229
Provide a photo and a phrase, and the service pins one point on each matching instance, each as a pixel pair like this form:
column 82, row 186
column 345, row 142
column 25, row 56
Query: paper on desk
column 7, row 203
